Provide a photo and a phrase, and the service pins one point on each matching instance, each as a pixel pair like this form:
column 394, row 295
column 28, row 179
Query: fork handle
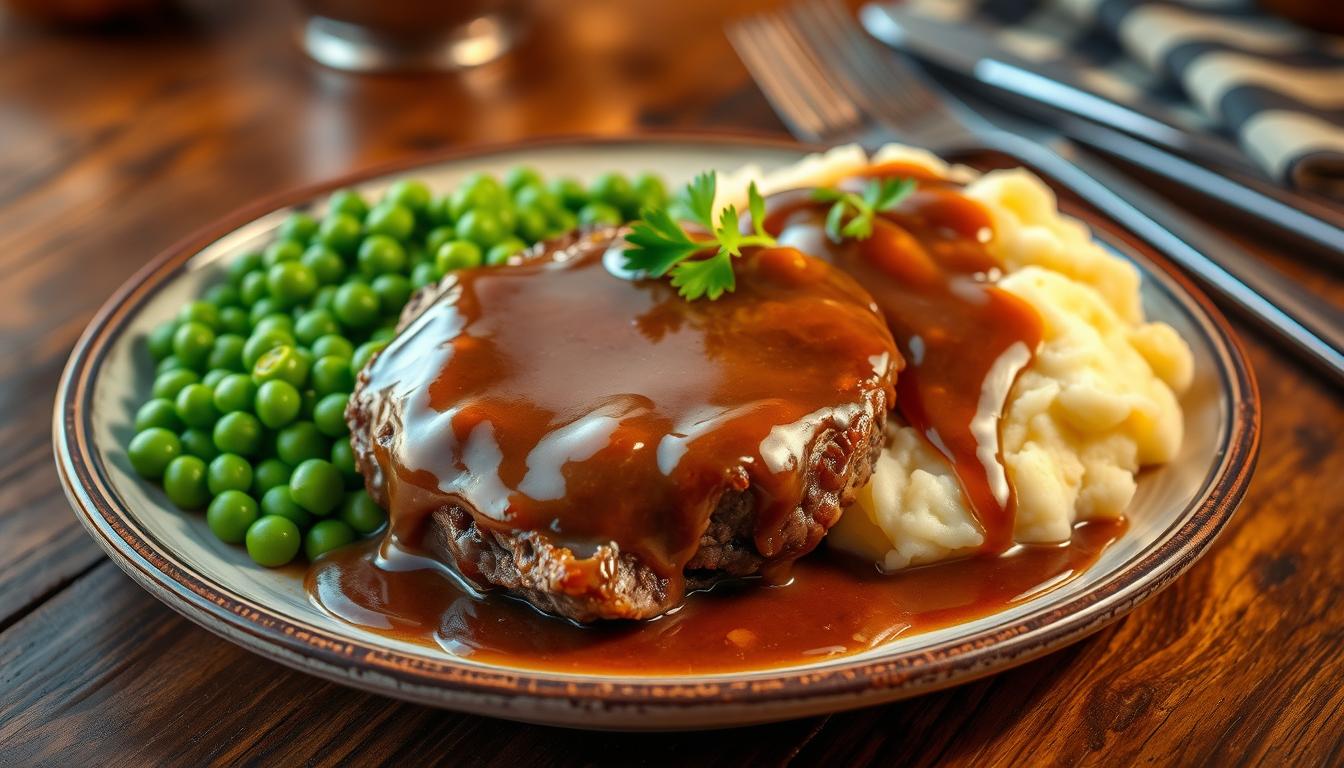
column 1311, row 326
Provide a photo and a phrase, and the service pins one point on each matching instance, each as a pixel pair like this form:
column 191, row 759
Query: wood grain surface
column 113, row 144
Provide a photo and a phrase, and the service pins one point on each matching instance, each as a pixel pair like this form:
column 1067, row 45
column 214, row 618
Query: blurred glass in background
column 393, row 35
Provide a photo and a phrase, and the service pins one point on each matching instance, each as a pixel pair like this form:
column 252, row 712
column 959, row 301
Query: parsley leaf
column 705, row 277
column 696, row 202
column 851, row 214
column 659, row 245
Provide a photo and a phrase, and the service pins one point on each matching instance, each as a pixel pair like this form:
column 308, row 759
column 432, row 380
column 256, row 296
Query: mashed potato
column 1096, row 403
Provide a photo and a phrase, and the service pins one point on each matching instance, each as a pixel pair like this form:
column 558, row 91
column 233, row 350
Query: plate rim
column 449, row 682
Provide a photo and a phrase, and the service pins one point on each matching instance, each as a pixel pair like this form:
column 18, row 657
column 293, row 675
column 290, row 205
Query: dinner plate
column 1175, row 515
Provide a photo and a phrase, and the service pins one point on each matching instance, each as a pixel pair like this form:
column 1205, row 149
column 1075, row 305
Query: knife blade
column 1092, row 121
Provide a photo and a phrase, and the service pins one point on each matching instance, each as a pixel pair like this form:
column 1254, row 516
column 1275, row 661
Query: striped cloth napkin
column 1215, row 65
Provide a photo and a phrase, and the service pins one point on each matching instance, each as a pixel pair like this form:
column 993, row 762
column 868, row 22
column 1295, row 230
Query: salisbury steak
column 597, row 445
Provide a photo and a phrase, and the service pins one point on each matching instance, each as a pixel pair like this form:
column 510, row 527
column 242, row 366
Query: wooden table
column 114, row 145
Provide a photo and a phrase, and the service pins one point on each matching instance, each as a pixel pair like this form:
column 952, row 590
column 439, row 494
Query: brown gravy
column 560, row 398
column 927, row 268
column 833, row 606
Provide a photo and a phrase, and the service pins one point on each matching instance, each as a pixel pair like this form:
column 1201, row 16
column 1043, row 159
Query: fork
column 831, row 84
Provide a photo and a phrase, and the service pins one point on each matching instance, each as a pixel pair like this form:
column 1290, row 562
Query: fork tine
column 748, row 38
column 790, row 81
column 884, row 84
column 812, row 73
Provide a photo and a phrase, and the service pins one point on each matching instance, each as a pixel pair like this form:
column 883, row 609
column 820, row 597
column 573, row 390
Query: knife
column 1044, row 93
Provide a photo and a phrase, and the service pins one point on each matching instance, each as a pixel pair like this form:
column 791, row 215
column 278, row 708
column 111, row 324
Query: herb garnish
column 661, row 246
column 878, row 195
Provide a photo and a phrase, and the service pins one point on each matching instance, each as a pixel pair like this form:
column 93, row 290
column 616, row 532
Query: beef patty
column 597, row 446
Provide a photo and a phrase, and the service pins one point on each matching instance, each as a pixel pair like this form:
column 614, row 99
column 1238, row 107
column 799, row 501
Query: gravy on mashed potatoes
column 1095, row 403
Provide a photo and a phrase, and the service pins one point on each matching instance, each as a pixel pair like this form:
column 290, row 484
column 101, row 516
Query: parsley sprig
column 660, row 246
column 852, row 213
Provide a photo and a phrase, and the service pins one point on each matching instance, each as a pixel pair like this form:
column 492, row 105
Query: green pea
column 170, row 363
column 441, row 210
column 599, row 215
column 259, row 343
column 340, row 232
column 263, row 309
column 569, row 192
column 283, row 363
column 521, row 176
column 299, row 227
column 395, row 221
column 331, row 374
column 437, row 237
column 227, row 353
column 184, row 482
column 152, row 450
column 343, row 458
column 290, row 283
column 563, row 223
column 229, row 516
column 253, row 287
column 314, row 324
column 198, row 443
column 235, row 393
column 325, row 536
column 268, row 474
column 409, row 193
column 423, row 274
column 300, row 442
column 333, row 345
column 228, row 472
column 501, row 251
column 160, row 340
column 538, row 198
column 279, row 501
column 614, row 189
column 327, row 265
column 273, row 541
column 238, row 432
column 196, row 406
column 393, row 291
column 347, row 201
column 363, row 354
column 202, row 312
column 213, row 376
column 221, row 296
column 277, row 403
column 317, row 486
column 275, row 322
column 329, row 414
column 361, row 512
column 458, row 254
column 159, row 412
column 192, row 343
column 281, row 251
column 650, row 191
column 356, row 305
column 242, row 265
column 380, row 254
column 481, row 226
column 234, row 320
column 479, row 192
column 323, row 298
column 532, row 224
column 169, row 383
column 508, row 218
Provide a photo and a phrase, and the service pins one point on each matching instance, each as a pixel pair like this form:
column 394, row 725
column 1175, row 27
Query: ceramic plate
column 1176, row 514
